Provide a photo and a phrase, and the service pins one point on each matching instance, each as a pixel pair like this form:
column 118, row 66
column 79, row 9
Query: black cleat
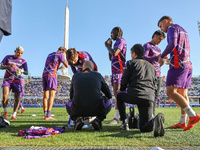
column 159, row 125
column 96, row 123
column 78, row 124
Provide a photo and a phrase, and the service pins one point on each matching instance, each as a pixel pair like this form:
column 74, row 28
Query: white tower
column 65, row 76
column 66, row 38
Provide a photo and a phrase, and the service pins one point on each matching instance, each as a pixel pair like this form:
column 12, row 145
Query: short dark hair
column 159, row 32
column 62, row 48
column 138, row 49
column 120, row 32
column 165, row 17
column 71, row 53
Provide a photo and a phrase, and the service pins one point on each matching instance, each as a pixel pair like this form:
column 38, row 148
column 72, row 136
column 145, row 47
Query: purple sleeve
column 62, row 57
column 172, row 41
column 4, row 61
column 25, row 66
column 146, row 54
column 120, row 45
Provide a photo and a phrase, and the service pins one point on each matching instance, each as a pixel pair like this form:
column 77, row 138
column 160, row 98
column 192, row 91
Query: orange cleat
column 5, row 115
column 22, row 110
column 13, row 118
column 49, row 118
column 179, row 125
column 192, row 122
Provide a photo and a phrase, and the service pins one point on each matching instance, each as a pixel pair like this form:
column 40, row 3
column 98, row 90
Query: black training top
column 140, row 79
column 85, row 92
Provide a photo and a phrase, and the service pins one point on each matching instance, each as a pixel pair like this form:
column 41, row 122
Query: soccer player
column 77, row 58
column 14, row 66
column 180, row 70
column 117, row 56
column 49, row 79
column 152, row 53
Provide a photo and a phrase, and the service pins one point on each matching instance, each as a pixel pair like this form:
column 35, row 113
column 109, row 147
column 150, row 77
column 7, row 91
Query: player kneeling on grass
column 12, row 79
column 49, row 79
column 86, row 97
column 140, row 80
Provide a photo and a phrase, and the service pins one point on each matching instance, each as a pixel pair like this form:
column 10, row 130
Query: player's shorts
column 116, row 78
column 49, row 83
column 14, row 85
column 180, row 78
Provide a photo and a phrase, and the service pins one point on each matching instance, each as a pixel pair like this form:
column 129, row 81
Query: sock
column 116, row 114
column 183, row 118
column 189, row 111
column 5, row 109
column 22, row 107
column 14, row 114
column 45, row 113
column 20, row 104
column 48, row 113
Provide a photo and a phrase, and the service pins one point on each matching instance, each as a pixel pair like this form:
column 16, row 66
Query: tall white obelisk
column 66, row 42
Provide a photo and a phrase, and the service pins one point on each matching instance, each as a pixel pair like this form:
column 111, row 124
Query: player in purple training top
column 151, row 54
column 180, row 71
column 117, row 56
column 14, row 65
column 49, row 79
column 77, row 58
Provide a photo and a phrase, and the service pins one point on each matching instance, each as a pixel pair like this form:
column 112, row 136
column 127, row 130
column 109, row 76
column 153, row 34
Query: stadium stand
column 33, row 93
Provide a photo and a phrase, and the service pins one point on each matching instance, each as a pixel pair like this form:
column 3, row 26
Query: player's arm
column 113, row 52
column 25, row 72
column 171, row 44
column 110, row 56
column 65, row 63
column 147, row 57
column 2, row 67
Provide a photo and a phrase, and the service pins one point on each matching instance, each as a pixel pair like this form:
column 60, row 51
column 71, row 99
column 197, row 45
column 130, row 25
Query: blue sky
column 38, row 26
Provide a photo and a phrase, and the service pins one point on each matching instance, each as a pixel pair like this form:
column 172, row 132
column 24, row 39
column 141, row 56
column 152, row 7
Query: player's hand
column 117, row 91
column 159, row 56
column 160, row 61
column 108, row 43
column 12, row 65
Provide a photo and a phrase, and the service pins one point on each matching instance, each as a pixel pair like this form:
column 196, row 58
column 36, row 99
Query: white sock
column 45, row 113
column 5, row 109
column 189, row 111
column 22, row 108
column 116, row 114
column 183, row 118
column 14, row 114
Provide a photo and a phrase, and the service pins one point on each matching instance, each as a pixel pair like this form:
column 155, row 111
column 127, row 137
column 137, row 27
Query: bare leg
column 51, row 98
column 45, row 98
column 16, row 105
column 6, row 91
column 172, row 92
column 116, row 88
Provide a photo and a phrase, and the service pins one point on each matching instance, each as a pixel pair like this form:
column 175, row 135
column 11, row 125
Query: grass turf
column 109, row 136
